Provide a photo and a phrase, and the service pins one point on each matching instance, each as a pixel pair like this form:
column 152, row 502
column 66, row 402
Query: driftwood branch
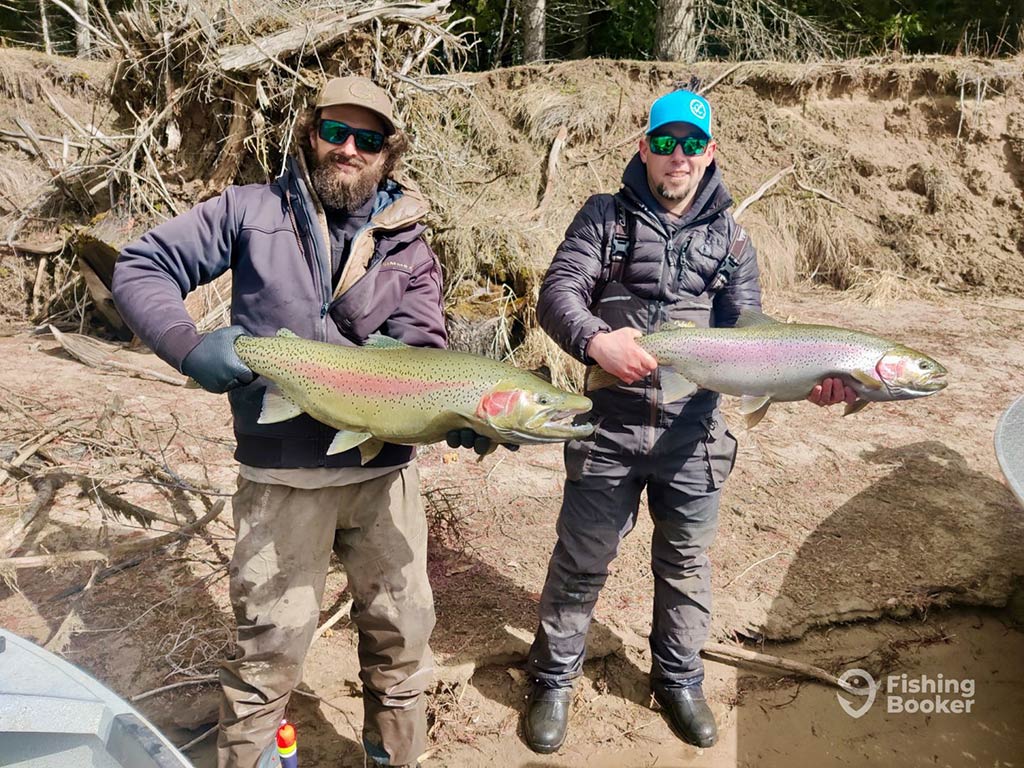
column 184, row 683
column 552, row 170
column 338, row 616
column 707, row 88
column 122, row 506
column 208, row 732
column 325, row 33
column 36, row 142
column 819, row 192
column 99, row 354
column 11, row 539
column 762, row 190
column 95, row 134
column 119, row 550
column 786, row 666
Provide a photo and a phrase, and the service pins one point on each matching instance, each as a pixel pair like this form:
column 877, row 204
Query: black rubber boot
column 689, row 714
column 547, row 718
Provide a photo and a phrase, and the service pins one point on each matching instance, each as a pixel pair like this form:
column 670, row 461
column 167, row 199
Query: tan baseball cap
column 359, row 92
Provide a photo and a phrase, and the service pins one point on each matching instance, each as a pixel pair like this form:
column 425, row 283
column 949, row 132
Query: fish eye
column 925, row 365
column 543, row 399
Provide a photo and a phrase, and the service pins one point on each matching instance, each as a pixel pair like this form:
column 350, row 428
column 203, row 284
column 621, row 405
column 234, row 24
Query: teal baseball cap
column 681, row 107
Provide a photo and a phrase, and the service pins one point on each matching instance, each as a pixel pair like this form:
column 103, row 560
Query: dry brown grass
column 884, row 287
column 539, row 351
column 773, row 226
column 586, row 108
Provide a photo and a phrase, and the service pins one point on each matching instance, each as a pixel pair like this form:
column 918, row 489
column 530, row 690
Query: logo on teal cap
column 681, row 107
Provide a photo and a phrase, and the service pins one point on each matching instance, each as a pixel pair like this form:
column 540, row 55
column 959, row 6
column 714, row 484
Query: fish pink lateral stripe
column 370, row 384
column 738, row 351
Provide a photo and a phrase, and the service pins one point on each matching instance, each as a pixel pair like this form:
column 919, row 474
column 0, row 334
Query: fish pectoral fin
column 753, row 408
column 286, row 333
column 751, row 317
column 277, row 407
column 368, row 450
column 380, row 341
column 346, row 440
column 598, row 378
column 865, row 378
column 857, row 405
column 675, row 386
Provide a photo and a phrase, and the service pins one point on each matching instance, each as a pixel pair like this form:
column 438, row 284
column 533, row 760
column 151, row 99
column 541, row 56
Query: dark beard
column 342, row 194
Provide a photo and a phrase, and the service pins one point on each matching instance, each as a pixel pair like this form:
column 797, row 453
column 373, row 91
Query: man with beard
column 663, row 248
column 334, row 255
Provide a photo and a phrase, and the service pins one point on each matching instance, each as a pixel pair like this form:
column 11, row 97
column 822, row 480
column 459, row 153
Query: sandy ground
column 896, row 512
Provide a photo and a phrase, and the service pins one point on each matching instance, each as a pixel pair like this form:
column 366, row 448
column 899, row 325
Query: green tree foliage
column 625, row 28
column 969, row 27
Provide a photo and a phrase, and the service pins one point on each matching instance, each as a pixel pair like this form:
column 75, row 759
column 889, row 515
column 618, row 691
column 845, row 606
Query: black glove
column 215, row 365
column 467, row 438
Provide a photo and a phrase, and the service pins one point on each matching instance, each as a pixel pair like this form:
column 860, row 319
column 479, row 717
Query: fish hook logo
column 870, row 690
column 698, row 109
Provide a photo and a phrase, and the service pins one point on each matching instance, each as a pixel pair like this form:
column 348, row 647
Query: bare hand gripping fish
column 389, row 392
column 763, row 361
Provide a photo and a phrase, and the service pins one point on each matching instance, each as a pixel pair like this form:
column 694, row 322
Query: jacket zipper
column 312, row 257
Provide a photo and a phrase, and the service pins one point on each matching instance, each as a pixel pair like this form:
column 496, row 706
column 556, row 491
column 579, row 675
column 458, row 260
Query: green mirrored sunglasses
column 336, row 132
column 666, row 145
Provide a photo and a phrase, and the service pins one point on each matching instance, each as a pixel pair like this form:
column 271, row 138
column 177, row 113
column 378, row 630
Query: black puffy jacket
column 671, row 265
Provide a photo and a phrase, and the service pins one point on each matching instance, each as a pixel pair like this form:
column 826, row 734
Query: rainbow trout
column 763, row 361
column 389, row 392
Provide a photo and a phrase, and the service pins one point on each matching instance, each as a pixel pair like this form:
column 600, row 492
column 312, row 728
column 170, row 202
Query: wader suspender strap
column 617, row 249
column 731, row 261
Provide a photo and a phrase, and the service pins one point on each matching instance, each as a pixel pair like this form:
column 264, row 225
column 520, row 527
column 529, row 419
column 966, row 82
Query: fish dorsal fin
column 284, row 333
column 346, row 440
column 675, row 386
column 598, row 378
column 277, row 407
column 676, row 325
column 751, row 317
column 753, row 408
column 380, row 341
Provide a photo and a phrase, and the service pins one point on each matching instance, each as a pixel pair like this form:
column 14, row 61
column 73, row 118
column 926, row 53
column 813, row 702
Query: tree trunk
column 532, row 12
column 82, row 37
column 45, row 22
column 675, row 35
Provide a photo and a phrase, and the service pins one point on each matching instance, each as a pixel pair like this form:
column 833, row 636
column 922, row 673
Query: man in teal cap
column 664, row 247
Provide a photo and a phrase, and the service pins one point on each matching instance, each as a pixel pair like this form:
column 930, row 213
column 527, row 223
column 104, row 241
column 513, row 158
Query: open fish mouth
column 549, row 432
column 934, row 383
column 550, row 426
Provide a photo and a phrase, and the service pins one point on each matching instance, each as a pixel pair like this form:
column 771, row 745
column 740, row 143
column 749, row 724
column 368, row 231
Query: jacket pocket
column 577, row 457
column 720, row 448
